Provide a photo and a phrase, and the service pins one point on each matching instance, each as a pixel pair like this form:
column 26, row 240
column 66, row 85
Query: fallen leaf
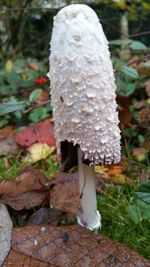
column 30, row 179
column 41, row 132
column 115, row 173
column 38, row 152
column 121, row 179
column 139, row 153
column 16, row 259
column 8, row 147
column 5, row 132
column 45, row 215
column 23, row 201
column 64, row 193
column 116, row 169
column 71, row 246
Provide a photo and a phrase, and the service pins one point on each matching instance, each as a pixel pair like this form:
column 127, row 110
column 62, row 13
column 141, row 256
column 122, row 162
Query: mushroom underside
column 69, row 156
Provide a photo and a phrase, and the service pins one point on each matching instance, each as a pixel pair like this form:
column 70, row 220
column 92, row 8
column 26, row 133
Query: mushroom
column 83, row 100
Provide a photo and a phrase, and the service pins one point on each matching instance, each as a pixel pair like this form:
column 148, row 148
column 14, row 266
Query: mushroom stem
column 88, row 215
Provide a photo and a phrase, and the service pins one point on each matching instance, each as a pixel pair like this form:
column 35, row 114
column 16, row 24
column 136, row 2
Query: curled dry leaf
column 41, row 132
column 45, row 215
column 30, row 179
column 38, row 152
column 27, row 190
column 64, row 193
column 115, row 173
column 71, row 246
column 23, row 201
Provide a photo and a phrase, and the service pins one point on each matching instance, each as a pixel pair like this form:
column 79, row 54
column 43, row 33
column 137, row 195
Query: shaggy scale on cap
column 83, row 85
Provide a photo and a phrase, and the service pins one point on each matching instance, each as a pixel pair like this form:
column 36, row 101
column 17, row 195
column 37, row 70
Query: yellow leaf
column 9, row 65
column 38, row 152
column 120, row 179
column 101, row 171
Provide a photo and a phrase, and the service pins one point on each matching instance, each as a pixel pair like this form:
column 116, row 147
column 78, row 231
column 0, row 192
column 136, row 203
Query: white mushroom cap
column 83, row 85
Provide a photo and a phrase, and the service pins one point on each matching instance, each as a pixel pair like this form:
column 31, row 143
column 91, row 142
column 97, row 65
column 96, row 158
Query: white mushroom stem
column 88, row 215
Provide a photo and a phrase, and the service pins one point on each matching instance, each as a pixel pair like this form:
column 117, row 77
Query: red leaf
column 41, row 81
column 41, row 132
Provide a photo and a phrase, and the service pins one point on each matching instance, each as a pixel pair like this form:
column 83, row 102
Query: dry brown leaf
column 73, row 246
column 24, row 201
column 45, row 215
column 64, row 193
column 116, row 169
column 16, row 259
column 30, row 179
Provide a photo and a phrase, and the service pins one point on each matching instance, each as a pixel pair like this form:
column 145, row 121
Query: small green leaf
column 125, row 88
column 135, row 213
column 145, row 197
column 3, row 122
column 141, row 138
column 26, row 83
column 143, row 192
column 6, row 90
column 11, row 106
column 34, row 95
column 144, row 187
column 120, row 42
column 130, row 72
column 136, row 45
column 138, row 212
column 38, row 114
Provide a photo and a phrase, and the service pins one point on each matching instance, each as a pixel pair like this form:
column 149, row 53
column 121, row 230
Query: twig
column 37, row 106
column 138, row 60
column 134, row 62
column 139, row 34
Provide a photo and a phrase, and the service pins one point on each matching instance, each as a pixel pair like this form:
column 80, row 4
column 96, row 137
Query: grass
column 11, row 171
column 116, row 222
column 48, row 167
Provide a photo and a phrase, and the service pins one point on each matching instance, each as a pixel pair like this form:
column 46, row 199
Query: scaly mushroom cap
column 83, row 86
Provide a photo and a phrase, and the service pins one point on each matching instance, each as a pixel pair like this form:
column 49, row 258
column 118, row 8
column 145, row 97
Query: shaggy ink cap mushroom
column 83, row 90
